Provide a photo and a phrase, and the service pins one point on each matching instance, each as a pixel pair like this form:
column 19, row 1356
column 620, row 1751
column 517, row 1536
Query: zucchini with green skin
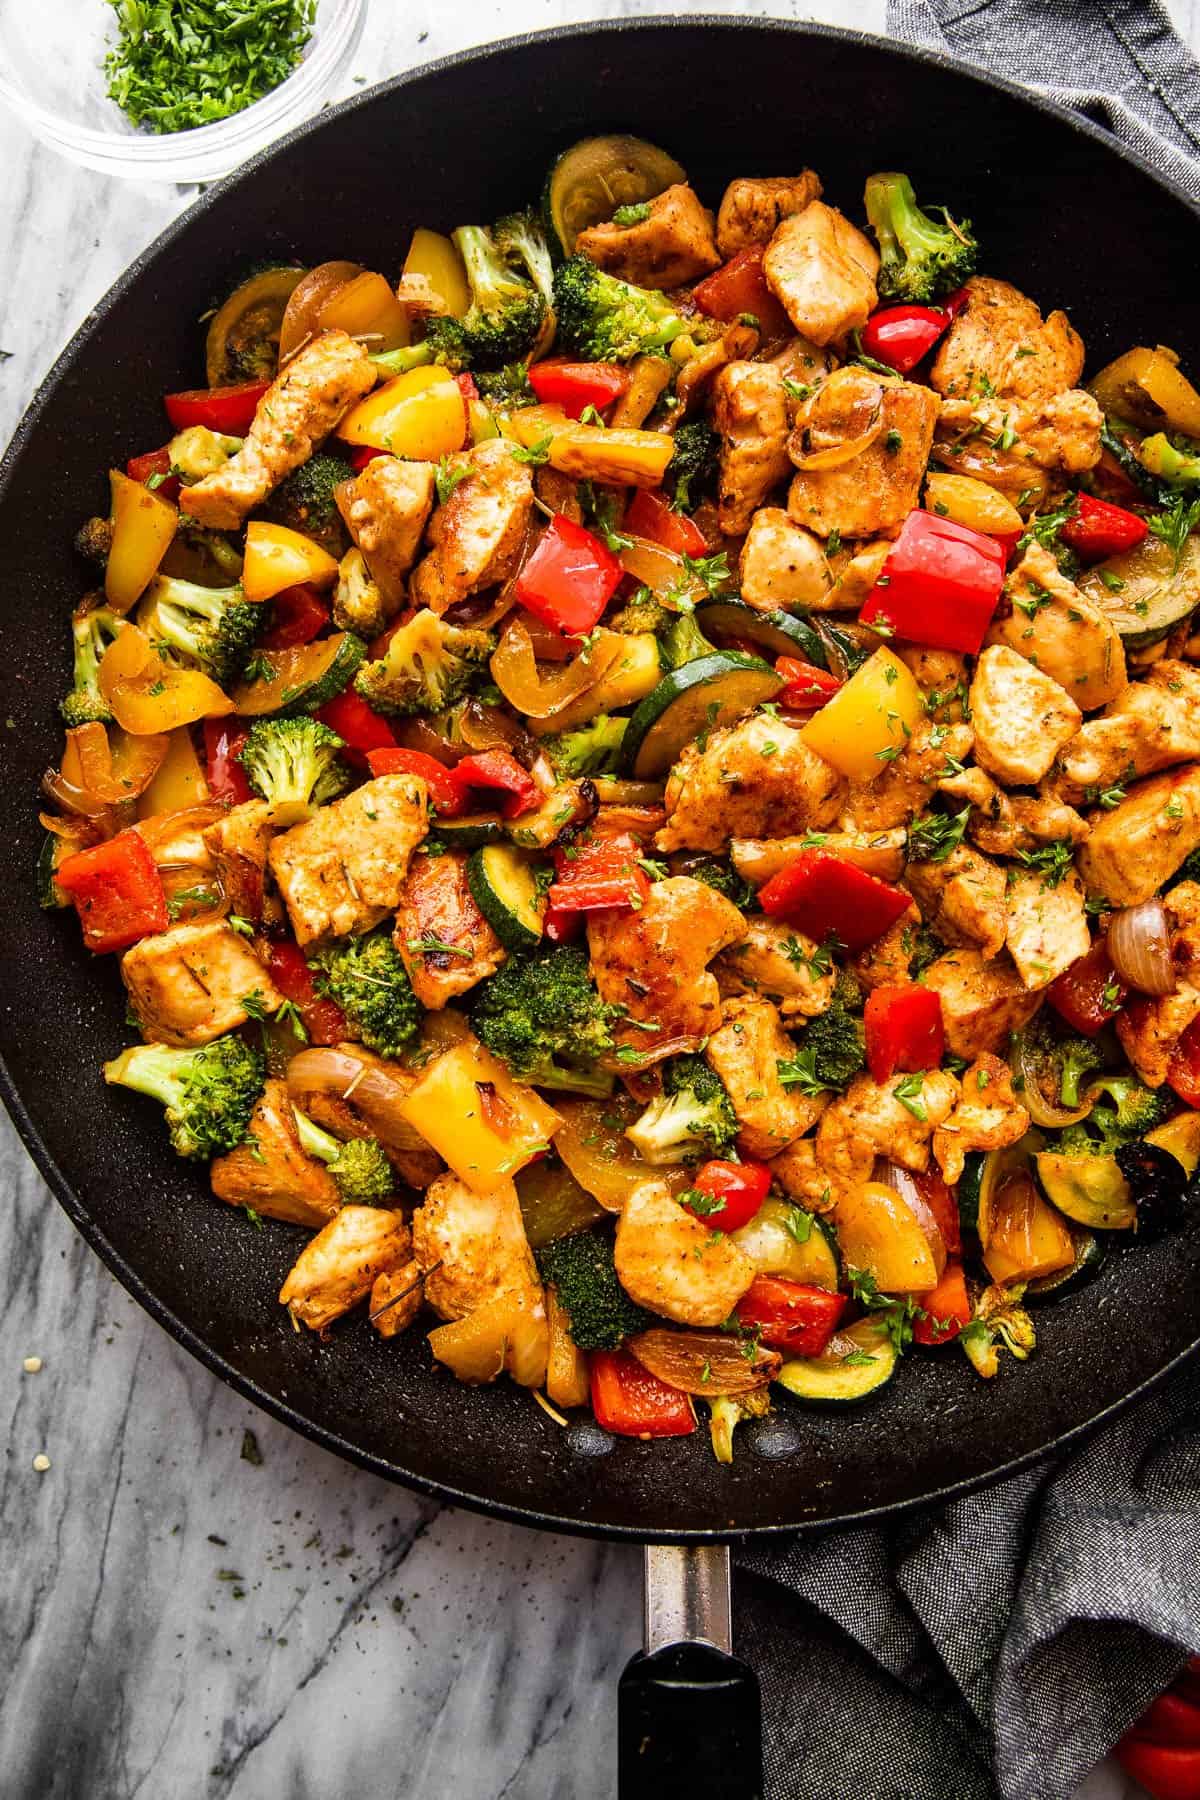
column 504, row 887
column 1091, row 1190
column 1090, row 1252
column 857, row 1363
column 302, row 679
column 778, row 633
column 471, row 832
column 782, row 1239
column 702, row 695
column 1143, row 592
column 54, row 851
column 983, row 1173
column 596, row 176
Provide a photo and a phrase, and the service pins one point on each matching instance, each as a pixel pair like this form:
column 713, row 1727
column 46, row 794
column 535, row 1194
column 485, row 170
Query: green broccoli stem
column 314, row 1141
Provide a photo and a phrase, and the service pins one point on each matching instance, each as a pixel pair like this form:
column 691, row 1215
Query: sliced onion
column 905, row 1183
column 1139, row 947
column 515, row 672
column 591, row 1142
column 710, row 1363
column 119, row 768
column 1041, row 1109
column 662, row 571
column 376, row 1091
column 840, row 420
column 76, row 833
column 306, row 301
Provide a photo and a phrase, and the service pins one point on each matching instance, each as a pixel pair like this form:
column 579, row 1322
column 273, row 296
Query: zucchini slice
column 856, row 1364
column 504, row 888
column 243, row 336
column 53, row 851
column 302, row 678
column 770, row 1239
column 1143, row 592
column 700, row 696
column 471, row 832
column 779, row 633
column 1090, row 1252
column 1089, row 1189
column 597, row 175
column 1181, row 1136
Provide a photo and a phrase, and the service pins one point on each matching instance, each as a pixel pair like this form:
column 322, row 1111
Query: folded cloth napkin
column 995, row 1649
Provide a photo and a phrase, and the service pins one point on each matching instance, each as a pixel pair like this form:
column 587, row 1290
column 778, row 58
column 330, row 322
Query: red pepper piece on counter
column 298, row 615
column 569, row 579
column 362, row 454
column 223, row 740
column 447, row 792
column 939, row 585
column 1098, row 529
column 823, row 896
column 789, row 1315
column 740, row 287
column 117, row 891
column 155, row 466
column 945, row 1310
column 1088, row 994
column 733, row 1193
column 901, row 335
column 322, row 1018
column 808, row 688
column 632, row 1402
column 649, row 516
column 1183, row 1071
column 576, row 385
column 599, row 876
column 903, row 1026
column 229, row 410
column 1168, row 1771
column 361, row 729
column 500, row 772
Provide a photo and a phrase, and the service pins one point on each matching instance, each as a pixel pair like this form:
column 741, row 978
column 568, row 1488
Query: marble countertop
column 194, row 1601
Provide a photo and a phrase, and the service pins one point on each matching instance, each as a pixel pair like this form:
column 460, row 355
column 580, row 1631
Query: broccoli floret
column 369, row 981
column 212, row 628
column 684, row 642
column 609, row 320
column 1079, row 1057
column 642, row 612
column 999, row 1322
column 542, row 1016
column 521, row 240
column 304, row 500
column 919, row 259
column 835, row 1042
column 1159, row 455
column 92, row 631
column 1057, row 1062
column 728, row 1411
column 723, row 877
column 359, row 1166
column 427, row 666
column 580, row 1269
column 507, row 387
column 692, row 1119
column 692, row 469
column 294, row 762
column 926, row 948
column 209, row 1093
column 357, row 602
column 1129, row 1110
column 506, row 313
column 94, row 539
column 592, row 750
column 197, row 452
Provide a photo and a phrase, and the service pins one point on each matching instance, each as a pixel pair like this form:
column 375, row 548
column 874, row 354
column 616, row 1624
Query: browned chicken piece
column 344, row 869
column 1003, row 824
column 1020, row 715
column 868, row 1120
column 941, row 676
column 983, row 1003
column 1000, row 343
column 1063, row 633
column 673, row 244
column 962, row 899
column 654, row 963
column 988, row 1117
column 782, row 565
column 1150, row 1029
column 480, row 1242
column 270, row 1174
column 411, row 1157
column 753, row 208
column 888, row 961
column 872, row 493
column 823, row 270
column 1152, row 724
column 737, row 343
column 187, row 985
column 746, row 1053
column 238, row 844
column 749, row 410
column 801, row 1176
column 299, row 409
column 558, row 491
column 339, row 1267
column 386, row 508
column 444, row 941
column 877, row 852
column 856, row 568
column 905, row 785
column 779, row 963
column 1137, row 846
column 649, row 379
column 182, row 843
column 1047, row 925
column 1021, row 447
column 476, row 536
column 754, row 779
column 670, row 1261
column 396, row 1299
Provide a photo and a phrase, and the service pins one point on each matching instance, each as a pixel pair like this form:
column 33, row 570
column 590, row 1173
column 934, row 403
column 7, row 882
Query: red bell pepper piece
column 360, row 728
column 956, row 302
column 901, row 335
column 322, row 1018
column 1168, row 1771
column 155, row 465
column 824, row 896
column 808, row 688
column 904, row 1031
column 298, row 615
column 599, row 876
column 116, row 890
column 362, row 454
column 447, row 792
column 789, row 1315
column 229, row 410
column 939, row 585
column 944, row 1207
column 500, row 772
column 569, row 579
column 1088, row 993
column 1171, row 1719
column 561, row 924
column 945, row 1310
column 740, row 286
column 649, row 516
column 223, row 740
column 1183, row 1071
column 632, row 1402
column 576, row 385
column 1098, row 528
column 738, row 1189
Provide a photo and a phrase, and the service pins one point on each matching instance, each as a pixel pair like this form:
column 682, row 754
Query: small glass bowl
column 52, row 76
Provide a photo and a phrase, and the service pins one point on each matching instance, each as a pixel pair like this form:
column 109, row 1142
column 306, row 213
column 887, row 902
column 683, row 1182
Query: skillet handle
column 689, row 1715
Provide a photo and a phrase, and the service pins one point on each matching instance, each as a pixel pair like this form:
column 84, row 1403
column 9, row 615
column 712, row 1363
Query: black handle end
column 689, row 1723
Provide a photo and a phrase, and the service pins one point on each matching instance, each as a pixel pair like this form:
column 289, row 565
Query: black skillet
column 1062, row 212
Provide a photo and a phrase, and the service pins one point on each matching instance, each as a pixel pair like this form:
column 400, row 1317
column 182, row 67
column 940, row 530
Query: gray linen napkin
column 996, row 1649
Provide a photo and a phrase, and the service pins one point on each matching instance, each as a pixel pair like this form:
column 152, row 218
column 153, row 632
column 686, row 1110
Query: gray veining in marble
column 194, row 1603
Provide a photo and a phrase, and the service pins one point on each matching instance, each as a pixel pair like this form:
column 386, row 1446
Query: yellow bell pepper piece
column 148, row 695
column 869, row 720
column 965, row 501
column 278, row 557
column 419, row 415
column 367, row 308
column 433, row 260
column 1146, row 387
column 484, row 1137
column 621, row 458
column 878, row 1232
column 632, row 673
column 143, row 526
column 179, row 780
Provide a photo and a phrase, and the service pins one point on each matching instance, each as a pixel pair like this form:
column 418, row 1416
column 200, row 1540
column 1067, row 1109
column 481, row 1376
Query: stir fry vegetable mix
column 646, row 786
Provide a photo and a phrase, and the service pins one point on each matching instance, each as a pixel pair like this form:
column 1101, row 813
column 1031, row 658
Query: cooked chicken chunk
column 1021, row 717
column 1063, row 633
column 339, row 1267
column 386, row 508
column 749, row 410
column 654, row 963
column 480, row 1242
column 187, row 985
column 478, row 533
column 753, row 208
column 823, row 270
column 988, row 1117
column 270, row 1174
column 371, row 1084
column 856, row 568
column 1003, row 824
column 801, row 1176
column 396, row 1298
column 1137, row 846
column 962, row 899
column 1047, row 925
column 754, row 779
column 869, row 1120
column 888, row 961
column 780, row 964
column 1000, row 343
column 1020, row 446
column 672, row 245
column 941, row 676
column 878, row 852
column 872, row 493
column 983, row 1002
column 1152, row 724
column 905, row 785
column 238, row 844
column 437, row 910
column 301, row 406
column 782, row 565
column 669, row 1261
column 344, row 869
column 1150, row 1029
column 746, row 1053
